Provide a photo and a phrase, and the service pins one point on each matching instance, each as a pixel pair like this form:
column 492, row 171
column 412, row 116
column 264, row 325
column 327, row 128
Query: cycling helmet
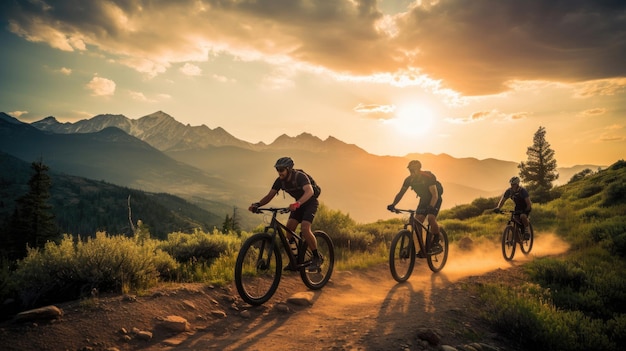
column 514, row 180
column 415, row 164
column 284, row 162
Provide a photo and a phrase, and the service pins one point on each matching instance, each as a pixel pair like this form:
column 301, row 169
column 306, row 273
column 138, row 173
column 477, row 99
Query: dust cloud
column 487, row 256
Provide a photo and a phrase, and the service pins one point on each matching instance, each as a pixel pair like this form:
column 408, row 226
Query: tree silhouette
column 32, row 222
column 539, row 171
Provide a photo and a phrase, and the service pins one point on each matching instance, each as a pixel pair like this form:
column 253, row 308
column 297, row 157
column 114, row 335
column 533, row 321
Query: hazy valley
column 217, row 172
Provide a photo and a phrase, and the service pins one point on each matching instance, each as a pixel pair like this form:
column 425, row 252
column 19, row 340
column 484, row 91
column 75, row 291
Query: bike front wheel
column 508, row 242
column 402, row 256
column 315, row 280
column 258, row 269
column 527, row 244
column 438, row 259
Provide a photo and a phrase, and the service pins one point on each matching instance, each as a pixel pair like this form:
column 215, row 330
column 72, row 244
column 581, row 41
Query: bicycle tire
column 527, row 245
column 257, row 271
column 438, row 261
column 508, row 242
column 402, row 256
column 317, row 280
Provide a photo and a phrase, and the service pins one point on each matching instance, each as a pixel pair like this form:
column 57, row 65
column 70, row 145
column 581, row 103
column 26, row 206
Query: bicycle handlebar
column 397, row 210
column 273, row 209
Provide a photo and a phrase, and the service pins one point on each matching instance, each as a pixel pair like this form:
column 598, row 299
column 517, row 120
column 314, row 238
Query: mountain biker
column 520, row 196
column 428, row 189
column 302, row 211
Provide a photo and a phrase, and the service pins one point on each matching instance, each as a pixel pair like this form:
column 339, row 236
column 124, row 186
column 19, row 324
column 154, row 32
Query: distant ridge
column 207, row 165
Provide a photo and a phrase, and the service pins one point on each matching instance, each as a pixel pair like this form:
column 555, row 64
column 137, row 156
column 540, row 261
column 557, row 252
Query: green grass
column 573, row 302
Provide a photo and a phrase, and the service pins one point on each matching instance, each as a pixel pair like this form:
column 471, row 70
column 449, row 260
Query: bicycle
column 259, row 263
column 513, row 234
column 402, row 251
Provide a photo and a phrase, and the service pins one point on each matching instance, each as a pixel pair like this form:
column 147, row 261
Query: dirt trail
column 368, row 310
column 358, row 310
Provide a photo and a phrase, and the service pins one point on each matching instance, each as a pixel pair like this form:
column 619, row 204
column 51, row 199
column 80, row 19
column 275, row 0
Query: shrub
column 197, row 247
column 73, row 268
column 614, row 194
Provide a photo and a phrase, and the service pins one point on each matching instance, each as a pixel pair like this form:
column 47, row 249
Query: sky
column 466, row 78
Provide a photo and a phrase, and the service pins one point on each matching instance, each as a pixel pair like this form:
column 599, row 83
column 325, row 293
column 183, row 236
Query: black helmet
column 415, row 164
column 284, row 162
column 514, row 180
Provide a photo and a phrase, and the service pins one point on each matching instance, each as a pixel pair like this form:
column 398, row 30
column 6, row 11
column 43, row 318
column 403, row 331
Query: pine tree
column 33, row 223
column 539, row 171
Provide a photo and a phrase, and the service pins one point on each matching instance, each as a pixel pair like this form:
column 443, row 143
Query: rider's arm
column 503, row 199
column 399, row 195
column 267, row 198
column 528, row 204
column 308, row 193
column 434, row 195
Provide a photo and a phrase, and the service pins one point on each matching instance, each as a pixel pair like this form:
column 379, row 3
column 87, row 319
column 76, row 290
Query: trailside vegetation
column 575, row 301
column 539, row 171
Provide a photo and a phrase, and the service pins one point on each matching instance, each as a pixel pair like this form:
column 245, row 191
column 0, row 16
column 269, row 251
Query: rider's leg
column 526, row 222
column 308, row 235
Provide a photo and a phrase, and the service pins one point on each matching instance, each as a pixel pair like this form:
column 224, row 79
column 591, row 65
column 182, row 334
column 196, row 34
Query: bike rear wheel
column 258, row 269
column 316, row 280
column 402, row 256
column 527, row 244
column 437, row 261
column 508, row 242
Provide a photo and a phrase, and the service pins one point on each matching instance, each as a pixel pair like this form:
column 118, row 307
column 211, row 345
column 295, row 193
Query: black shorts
column 422, row 207
column 306, row 211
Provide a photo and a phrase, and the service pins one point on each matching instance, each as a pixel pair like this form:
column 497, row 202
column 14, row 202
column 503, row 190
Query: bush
column 197, row 247
column 71, row 269
column 614, row 194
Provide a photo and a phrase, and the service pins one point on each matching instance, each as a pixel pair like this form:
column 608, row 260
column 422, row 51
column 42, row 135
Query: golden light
column 413, row 120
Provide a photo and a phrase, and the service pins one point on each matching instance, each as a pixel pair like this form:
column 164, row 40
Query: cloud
column 593, row 112
column 376, row 111
column 66, row 71
column 474, row 117
column 189, row 69
column 17, row 114
column 471, row 47
column 602, row 87
column 135, row 95
column 101, row 86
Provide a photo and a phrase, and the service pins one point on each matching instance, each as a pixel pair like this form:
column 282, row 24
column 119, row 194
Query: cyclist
column 520, row 196
column 298, row 185
column 429, row 190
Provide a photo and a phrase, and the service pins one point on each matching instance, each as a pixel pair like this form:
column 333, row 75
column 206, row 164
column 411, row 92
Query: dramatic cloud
column 101, row 86
column 473, row 47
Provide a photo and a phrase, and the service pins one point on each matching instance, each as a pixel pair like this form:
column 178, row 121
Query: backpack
column 316, row 188
column 437, row 184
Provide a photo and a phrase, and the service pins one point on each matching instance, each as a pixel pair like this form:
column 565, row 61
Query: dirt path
column 368, row 310
column 357, row 310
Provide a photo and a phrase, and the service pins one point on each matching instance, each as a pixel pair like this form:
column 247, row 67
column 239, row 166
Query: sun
column 413, row 120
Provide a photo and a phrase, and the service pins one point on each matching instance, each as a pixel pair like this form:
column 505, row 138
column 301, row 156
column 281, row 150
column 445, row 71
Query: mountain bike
column 259, row 263
column 403, row 246
column 513, row 234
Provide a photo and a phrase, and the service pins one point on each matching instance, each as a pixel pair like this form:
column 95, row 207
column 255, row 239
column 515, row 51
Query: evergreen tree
column 33, row 223
column 539, row 171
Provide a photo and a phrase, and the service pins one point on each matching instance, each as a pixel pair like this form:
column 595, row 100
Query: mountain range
column 216, row 171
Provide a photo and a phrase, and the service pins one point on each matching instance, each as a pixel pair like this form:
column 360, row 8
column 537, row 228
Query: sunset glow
column 467, row 75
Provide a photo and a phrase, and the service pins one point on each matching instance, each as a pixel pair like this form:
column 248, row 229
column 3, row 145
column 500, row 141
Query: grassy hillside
column 83, row 206
column 573, row 302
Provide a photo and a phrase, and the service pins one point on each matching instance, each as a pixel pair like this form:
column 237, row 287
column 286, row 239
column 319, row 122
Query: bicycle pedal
column 420, row 254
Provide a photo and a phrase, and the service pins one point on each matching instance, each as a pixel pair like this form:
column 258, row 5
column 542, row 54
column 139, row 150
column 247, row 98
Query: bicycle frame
column 414, row 224
column 258, row 268
column 275, row 228
column 402, row 250
column 514, row 233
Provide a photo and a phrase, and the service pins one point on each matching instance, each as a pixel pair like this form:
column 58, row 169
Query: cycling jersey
column 519, row 197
